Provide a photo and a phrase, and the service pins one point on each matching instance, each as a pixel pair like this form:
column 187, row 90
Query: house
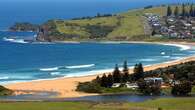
column 154, row 80
column 115, row 85
column 131, row 85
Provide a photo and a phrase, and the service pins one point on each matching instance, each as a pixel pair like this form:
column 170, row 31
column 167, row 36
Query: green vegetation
column 186, row 10
column 4, row 91
column 123, row 26
column 159, row 104
column 24, row 27
column 127, row 26
column 182, row 89
column 177, row 79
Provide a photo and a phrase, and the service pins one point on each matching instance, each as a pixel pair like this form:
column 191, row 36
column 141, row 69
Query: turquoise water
column 21, row 61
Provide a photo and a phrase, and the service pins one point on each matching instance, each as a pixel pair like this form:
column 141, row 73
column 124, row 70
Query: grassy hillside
column 124, row 26
column 164, row 104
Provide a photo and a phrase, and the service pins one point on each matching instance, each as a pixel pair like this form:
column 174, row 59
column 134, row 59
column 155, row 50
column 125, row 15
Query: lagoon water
column 21, row 61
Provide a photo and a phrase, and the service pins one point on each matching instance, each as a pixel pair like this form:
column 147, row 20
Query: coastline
column 66, row 86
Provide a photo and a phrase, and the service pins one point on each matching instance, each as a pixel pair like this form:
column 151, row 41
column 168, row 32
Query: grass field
column 164, row 104
column 127, row 25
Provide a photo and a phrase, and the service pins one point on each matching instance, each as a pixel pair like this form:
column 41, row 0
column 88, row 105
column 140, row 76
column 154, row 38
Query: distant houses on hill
column 174, row 25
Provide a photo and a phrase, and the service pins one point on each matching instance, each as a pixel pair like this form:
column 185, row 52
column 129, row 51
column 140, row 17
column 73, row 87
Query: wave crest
column 183, row 47
column 15, row 40
column 80, row 66
column 49, row 69
column 54, row 73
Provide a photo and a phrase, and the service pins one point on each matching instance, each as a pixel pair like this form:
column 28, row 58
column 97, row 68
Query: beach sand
column 65, row 87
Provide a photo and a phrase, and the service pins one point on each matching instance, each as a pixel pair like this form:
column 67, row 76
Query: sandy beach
column 65, row 87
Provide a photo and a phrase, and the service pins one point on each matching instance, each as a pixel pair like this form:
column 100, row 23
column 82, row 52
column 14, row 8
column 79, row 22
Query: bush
column 182, row 89
column 89, row 87
column 4, row 91
column 147, row 88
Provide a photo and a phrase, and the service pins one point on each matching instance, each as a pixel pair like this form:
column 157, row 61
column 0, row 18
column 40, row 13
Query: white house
column 131, row 85
column 115, row 85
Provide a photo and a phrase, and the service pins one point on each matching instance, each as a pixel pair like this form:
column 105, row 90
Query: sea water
column 39, row 11
column 22, row 61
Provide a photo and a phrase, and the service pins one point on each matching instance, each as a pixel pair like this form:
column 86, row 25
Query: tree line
column 186, row 10
column 182, row 73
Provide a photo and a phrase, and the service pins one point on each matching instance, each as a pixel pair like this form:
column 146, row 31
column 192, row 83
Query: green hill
column 124, row 26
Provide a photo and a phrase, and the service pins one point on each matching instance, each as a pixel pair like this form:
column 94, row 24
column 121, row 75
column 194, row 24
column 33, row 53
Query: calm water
column 100, row 98
column 39, row 11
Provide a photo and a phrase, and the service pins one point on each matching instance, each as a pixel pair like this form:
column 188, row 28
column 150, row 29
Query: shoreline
column 181, row 45
column 66, row 86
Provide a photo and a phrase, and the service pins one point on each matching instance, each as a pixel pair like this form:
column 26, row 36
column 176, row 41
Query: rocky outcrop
column 24, row 27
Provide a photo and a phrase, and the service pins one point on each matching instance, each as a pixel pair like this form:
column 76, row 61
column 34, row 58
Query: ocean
column 39, row 11
column 21, row 61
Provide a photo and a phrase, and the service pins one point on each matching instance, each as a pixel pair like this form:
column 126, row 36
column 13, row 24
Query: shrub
column 147, row 88
column 182, row 89
column 4, row 91
column 89, row 87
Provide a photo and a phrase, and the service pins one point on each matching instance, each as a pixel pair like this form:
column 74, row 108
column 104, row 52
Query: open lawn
column 164, row 104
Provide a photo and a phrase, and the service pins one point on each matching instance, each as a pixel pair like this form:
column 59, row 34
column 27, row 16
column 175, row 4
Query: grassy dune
column 165, row 104
column 126, row 26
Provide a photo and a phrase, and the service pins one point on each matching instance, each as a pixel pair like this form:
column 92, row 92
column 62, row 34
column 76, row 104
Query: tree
column 153, row 32
column 182, row 89
column 149, row 88
column 98, row 79
column 138, row 71
column 125, row 77
column 191, row 10
column 116, row 75
column 176, row 11
column 125, row 67
column 110, row 80
column 169, row 11
column 98, row 15
column 104, row 81
column 183, row 10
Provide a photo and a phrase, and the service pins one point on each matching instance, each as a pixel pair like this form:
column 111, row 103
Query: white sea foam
column 15, row 40
column 147, row 59
column 49, row 69
column 55, row 73
column 80, row 66
column 162, row 53
column 176, row 58
column 3, row 78
column 183, row 47
column 166, row 56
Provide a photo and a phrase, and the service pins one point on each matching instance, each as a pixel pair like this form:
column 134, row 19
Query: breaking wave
column 80, row 66
column 49, row 69
column 15, row 40
column 183, row 47
column 3, row 78
column 54, row 73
